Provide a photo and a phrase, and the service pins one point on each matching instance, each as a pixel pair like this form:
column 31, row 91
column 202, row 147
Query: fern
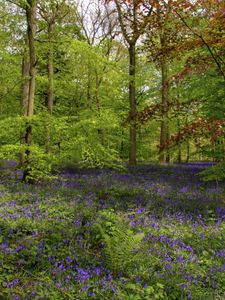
column 121, row 245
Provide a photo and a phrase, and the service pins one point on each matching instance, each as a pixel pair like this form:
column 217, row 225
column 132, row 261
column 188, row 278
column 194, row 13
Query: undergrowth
column 130, row 242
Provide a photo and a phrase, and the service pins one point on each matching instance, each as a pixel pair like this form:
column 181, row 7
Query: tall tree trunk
column 132, row 29
column 24, row 92
column 179, row 156
column 31, row 30
column 50, row 68
column 122, row 145
column 133, row 105
column 187, row 144
column 164, row 131
column 50, row 99
column 25, row 77
column 188, row 151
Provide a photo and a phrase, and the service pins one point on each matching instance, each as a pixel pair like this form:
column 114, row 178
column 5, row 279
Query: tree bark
column 177, row 115
column 188, row 151
column 24, row 92
column 50, row 69
column 25, row 77
column 164, row 131
column 179, row 155
column 133, row 104
column 31, row 30
column 187, row 144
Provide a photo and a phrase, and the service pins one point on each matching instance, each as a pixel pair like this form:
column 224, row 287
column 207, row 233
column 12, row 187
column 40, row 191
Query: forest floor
column 150, row 232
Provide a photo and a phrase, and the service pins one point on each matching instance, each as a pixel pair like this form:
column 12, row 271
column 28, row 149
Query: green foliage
column 214, row 173
column 62, row 140
column 40, row 164
column 40, row 160
column 120, row 243
column 11, row 129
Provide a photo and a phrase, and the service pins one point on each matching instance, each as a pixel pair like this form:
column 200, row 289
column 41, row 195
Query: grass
column 152, row 232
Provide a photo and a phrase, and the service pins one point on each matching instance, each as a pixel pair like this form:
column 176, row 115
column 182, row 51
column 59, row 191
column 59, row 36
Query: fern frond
column 121, row 245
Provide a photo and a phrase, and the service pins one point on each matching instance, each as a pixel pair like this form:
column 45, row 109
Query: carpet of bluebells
column 149, row 232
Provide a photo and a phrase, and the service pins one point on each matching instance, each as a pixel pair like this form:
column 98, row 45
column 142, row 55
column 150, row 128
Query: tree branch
column 203, row 41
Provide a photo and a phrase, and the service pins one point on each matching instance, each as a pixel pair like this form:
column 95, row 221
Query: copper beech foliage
column 150, row 111
column 210, row 128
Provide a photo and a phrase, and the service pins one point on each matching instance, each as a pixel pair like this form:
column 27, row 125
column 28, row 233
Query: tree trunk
column 50, row 99
column 164, row 131
column 133, row 105
column 50, row 69
column 122, row 145
column 187, row 144
column 31, row 30
column 25, row 77
column 24, row 92
column 179, row 156
column 188, row 151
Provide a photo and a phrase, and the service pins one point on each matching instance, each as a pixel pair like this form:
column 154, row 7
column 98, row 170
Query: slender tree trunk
column 50, row 99
column 25, row 77
column 187, row 144
column 164, row 132
column 179, row 156
column 50, row 69
column 132, row 29
column 24, row 92
column 122, row 145
column 31, row 30
column 188, row 151
column 133, row 105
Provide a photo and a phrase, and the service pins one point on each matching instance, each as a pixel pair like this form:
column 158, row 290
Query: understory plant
column 73, row 239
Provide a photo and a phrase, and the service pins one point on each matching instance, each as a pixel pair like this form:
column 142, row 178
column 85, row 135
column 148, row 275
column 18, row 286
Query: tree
column 52, row 12
column 31, row 32
column 165, row 33
column 25, row 76
column 30, row 8
column 98, row 25
column 133, row 18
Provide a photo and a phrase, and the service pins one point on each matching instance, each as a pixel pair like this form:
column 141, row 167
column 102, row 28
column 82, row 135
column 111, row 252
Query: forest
column 112, row 149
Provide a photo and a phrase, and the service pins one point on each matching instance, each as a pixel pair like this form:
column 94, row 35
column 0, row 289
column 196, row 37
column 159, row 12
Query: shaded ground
column 165, row 188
